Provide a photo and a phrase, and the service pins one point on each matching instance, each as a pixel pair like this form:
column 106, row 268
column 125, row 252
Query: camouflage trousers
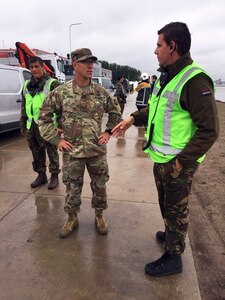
column 38, row 148
column 73, row 178
column 173, row 191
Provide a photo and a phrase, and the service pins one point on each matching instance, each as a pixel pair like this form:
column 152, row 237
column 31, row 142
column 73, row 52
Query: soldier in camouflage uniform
column 34, row 93
column 120, row 93
column 182, row 126
column 80, row 105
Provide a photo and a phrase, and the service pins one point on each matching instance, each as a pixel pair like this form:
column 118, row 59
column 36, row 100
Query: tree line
column 130, row 73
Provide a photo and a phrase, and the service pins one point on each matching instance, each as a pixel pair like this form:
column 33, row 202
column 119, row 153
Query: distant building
column 107, row 73
column 97, row 72
column 7, row 57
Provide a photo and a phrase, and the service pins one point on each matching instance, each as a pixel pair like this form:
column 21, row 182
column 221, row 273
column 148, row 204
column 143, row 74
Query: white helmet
column 144, row 76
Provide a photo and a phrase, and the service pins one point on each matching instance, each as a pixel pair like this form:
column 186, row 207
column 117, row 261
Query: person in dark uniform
column 34, row 93
column 182, row 126
column 144, row 91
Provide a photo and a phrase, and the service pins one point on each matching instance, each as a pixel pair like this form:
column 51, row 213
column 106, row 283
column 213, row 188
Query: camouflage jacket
column 120, row 93
column 80, row 114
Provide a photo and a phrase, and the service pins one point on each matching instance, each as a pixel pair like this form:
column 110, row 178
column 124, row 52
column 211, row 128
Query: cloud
column 124, row 32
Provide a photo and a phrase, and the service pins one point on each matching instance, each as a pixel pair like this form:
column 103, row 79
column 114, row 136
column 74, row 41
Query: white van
column 11, row 85
column 105, row 82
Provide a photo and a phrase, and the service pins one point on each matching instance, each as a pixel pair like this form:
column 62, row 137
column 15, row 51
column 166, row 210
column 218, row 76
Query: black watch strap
column 109, row 131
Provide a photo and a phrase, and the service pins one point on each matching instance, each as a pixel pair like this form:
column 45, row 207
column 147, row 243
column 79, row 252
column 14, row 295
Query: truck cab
column 56, row 64
column 20, row 56
column 105, row 82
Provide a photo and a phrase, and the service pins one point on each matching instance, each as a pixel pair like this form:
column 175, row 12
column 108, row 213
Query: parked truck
column 54, row 64
column 57, row 66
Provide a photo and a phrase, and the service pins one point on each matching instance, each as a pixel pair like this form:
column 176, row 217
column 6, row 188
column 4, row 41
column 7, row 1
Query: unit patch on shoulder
column 206, row 92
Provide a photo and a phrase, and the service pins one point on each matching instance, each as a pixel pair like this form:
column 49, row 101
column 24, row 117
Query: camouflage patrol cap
column 82, row 54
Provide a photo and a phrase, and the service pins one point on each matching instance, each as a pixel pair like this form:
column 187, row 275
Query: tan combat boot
column 100, row 222
column 69, row 226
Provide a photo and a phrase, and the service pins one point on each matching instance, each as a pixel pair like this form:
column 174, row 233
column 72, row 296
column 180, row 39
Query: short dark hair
column 120, row 76
column 35, row 59
column 154, row 76
column 179, row 33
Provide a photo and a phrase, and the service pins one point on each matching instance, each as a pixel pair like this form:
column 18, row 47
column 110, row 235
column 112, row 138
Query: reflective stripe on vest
column 172, row 97
column 45, row 90
column 155, row 90
column 160, row 148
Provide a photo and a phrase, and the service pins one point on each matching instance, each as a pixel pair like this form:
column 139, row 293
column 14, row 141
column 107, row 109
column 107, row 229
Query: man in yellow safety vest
column 34, row 93
column 182, row 125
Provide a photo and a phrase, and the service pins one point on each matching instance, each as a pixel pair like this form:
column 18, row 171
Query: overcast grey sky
column 120, row 31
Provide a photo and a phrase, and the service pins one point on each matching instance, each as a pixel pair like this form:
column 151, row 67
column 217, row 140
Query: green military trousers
column 39, row 147
column 173, row 191
column 73, row 178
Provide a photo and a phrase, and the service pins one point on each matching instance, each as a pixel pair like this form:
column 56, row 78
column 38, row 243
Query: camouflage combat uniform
column 37, row 145
column 173, row 186
column 173, row 190
column 80, row 112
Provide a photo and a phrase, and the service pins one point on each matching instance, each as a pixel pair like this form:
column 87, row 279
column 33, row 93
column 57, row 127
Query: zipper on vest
column 147, row 144
column 32, row 111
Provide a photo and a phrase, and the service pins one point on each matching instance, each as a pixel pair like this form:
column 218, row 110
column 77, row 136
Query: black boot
column 166, row 265
column 41, row 179
column 161, row 237
column 54, row 181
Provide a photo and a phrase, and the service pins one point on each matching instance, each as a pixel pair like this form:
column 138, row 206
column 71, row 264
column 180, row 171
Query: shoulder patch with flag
column 206, row 92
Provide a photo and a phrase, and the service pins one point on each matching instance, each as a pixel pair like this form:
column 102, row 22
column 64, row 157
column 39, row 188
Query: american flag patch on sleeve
column 206, row 92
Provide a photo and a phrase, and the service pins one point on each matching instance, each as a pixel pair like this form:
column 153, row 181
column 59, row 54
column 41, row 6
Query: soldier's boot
column 41, row 179
column 161, row 237
column 166, row 265
column 100, row 222
column 54, row 181
column 70, row 225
